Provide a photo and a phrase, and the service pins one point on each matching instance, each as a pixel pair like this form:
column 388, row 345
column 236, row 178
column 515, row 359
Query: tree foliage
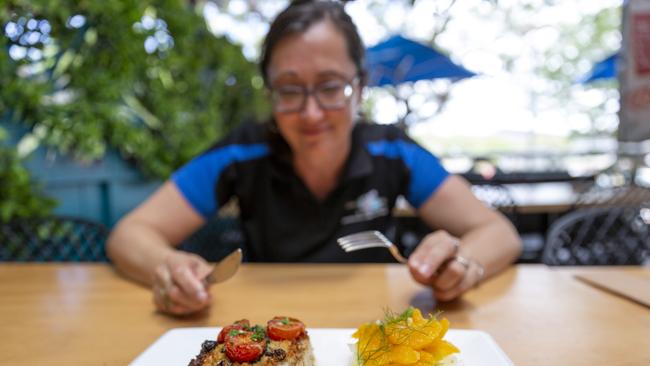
column 145, row 77
column 18, row 195
column 554, row 43
column 538, row 47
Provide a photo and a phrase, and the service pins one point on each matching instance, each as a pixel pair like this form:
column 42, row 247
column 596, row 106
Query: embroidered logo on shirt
column 367, row 207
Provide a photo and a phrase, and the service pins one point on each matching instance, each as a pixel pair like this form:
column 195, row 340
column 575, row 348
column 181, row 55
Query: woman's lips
column 313, row 131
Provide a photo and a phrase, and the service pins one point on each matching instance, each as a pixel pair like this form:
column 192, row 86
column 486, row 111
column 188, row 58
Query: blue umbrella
column 605, row 69
column 398, row 60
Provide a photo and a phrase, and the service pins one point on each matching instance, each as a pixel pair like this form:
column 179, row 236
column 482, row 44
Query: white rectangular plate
column 331, row 347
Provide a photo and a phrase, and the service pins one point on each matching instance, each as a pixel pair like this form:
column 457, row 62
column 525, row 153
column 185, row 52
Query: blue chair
column 53, row 239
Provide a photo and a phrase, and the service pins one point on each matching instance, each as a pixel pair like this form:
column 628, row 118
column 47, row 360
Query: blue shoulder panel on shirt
column 197, row 180
column 426, row 171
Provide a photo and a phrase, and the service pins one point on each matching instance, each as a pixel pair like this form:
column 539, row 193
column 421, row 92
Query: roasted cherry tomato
column 245, row 347
column 283, row 328
column 243, row 324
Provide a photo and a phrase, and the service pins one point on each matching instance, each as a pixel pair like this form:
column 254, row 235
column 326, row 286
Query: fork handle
column 397, row 254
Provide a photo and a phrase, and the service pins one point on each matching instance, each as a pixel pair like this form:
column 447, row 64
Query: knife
column 225, row 269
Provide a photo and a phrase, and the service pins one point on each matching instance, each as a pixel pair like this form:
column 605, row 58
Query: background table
column 63, row 314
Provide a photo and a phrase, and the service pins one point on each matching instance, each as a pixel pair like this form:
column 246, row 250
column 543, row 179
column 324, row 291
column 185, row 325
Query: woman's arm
column 468, row 229
column 142, row 247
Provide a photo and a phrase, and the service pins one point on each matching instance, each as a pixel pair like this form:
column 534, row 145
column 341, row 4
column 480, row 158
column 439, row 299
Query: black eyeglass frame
column 348, row 92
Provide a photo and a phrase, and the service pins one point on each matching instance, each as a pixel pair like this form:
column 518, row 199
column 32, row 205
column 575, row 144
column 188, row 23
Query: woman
column 313, row 174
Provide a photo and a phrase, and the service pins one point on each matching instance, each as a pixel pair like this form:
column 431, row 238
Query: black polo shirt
column 282, row 220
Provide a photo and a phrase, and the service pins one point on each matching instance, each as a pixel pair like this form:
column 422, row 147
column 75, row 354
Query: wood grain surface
column 86, row 314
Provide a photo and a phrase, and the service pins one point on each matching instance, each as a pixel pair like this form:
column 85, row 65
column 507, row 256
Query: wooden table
column 62, row 314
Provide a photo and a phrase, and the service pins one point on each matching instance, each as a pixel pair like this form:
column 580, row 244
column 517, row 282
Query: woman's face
column 316, row 60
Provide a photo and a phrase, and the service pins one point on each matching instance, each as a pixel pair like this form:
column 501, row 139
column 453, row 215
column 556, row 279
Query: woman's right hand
column 178, row 286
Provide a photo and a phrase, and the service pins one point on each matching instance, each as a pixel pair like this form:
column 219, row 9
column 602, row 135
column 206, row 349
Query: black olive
column 208, row 346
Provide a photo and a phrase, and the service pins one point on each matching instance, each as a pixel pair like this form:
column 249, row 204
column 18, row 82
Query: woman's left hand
column 436, row 262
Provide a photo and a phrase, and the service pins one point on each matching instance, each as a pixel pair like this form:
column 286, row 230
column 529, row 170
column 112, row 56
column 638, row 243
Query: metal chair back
column 53, row 239
column 617, row 235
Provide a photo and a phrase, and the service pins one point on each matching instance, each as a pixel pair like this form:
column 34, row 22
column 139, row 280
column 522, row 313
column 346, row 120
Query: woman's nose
column 312, row 109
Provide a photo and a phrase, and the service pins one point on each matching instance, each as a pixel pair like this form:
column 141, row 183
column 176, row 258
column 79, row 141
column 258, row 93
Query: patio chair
column 53, row 239
column 600, row 236
column 498, row 197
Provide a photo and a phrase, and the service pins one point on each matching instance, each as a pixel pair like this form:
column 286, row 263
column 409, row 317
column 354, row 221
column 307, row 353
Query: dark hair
column 302, row 14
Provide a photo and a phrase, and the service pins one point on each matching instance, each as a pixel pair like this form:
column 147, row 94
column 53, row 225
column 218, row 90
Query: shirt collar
column 358, row 164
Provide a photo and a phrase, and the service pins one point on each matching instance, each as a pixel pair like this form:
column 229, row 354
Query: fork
column 369, row 239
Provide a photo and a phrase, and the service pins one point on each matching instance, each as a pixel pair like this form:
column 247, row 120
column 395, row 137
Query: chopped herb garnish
column 234, row 332
column 390, row 317
column 258, row 333
column 285, row 321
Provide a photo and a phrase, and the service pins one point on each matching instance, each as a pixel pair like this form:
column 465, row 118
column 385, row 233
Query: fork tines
column 363, row 240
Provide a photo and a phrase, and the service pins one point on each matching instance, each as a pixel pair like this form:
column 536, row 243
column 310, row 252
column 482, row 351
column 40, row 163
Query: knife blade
column 225, row 268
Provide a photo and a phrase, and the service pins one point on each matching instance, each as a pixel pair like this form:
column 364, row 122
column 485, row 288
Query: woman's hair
column 301, row 15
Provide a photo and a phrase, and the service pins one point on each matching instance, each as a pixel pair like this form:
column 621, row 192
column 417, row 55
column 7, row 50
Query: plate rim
column 486, row 337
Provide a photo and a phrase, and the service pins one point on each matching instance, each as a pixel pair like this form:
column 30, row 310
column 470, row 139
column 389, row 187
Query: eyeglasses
column 332, row 94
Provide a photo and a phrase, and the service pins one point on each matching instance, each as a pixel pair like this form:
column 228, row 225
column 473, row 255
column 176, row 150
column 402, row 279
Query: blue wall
column 101, row 191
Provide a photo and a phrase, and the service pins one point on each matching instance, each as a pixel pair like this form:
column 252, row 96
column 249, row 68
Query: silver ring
column 462, row 261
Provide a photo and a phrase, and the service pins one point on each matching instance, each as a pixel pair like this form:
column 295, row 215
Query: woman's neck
column 321, row 172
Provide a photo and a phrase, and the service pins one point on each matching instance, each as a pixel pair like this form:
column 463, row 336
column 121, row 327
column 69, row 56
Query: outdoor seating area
column 325, row 182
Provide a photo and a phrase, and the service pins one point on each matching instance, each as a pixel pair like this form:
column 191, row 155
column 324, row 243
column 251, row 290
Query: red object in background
column 641, row 42
column 639, row 99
